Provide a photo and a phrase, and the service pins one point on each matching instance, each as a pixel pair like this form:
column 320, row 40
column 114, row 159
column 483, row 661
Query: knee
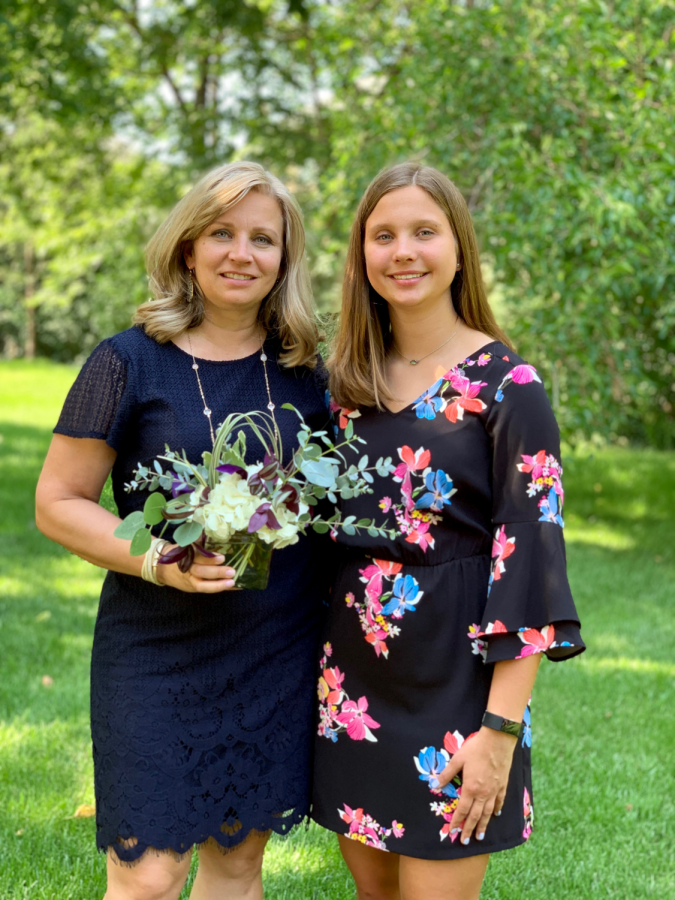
column 374, row 888
column 159, row 878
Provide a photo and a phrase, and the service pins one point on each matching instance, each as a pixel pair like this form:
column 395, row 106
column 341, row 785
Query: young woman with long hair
column 434, row 637
column 201, row 697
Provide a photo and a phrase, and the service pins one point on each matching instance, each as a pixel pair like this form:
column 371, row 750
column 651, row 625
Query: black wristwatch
column 498, row 723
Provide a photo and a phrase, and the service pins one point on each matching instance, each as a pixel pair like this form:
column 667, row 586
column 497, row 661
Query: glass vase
column 249, row 556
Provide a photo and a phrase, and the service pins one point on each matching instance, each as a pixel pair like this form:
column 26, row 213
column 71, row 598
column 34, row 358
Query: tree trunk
column 28, row 291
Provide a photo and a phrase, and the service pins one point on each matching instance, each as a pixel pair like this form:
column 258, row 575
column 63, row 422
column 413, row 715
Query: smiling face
column 409, row 248
column 237, row 258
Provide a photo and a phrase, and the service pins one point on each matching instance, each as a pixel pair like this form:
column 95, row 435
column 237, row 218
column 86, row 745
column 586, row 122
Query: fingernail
column 481, row 836
column 498, row 813
column 220, row 557
column 230, row 573
column 433, row 782
column 465, row 841
column 455, row 830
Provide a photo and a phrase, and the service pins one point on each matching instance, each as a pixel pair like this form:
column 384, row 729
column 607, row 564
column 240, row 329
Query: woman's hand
column 206, row 575
column 485, row 763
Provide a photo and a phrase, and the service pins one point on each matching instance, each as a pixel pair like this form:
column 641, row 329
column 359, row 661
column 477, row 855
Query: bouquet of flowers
column 246, row 511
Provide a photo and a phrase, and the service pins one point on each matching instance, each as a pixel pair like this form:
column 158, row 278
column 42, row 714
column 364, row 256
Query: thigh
column 375, row 872
column 442, row 879
column 155, row 876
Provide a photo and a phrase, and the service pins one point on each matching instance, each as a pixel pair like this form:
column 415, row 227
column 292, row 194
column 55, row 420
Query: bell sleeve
column 97, row 405
column 529, row 605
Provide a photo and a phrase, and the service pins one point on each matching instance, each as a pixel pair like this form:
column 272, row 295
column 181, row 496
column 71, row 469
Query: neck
column 417, row 331
column 229, row 329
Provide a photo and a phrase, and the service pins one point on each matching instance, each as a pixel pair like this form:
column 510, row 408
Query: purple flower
column 263, row 516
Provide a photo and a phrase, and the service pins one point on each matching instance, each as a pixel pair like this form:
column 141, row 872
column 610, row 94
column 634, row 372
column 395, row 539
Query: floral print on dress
column 379, row 607
column 416, row 514
column 545, row 477
column 527, row 727
column 366, row 830
column 522, row 374
column 343, row 414
column 430, row 763
column 502, row 548
column 337, row 713
column 433, row 401
column 528, row 814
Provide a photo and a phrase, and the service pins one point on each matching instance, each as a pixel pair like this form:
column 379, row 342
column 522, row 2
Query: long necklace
column 207, row 410
column 414, row 362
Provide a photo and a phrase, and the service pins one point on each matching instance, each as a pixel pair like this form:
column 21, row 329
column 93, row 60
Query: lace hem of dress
column 129, row 852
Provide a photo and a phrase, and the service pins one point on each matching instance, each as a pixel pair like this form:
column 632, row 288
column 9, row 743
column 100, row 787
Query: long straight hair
column 358, row 360
column 287, row 311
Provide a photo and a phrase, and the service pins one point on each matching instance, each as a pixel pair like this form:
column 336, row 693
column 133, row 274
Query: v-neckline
column 414, row 402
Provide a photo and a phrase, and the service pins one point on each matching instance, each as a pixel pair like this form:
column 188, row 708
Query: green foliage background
column 555, row 119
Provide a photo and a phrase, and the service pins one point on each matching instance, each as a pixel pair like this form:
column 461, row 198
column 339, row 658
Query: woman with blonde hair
column 434, row 638
column 201, row 696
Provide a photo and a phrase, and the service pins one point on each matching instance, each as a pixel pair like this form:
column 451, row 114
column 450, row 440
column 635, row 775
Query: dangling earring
column 191, row 296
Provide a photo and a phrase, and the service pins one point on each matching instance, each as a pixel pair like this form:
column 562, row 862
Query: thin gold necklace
column 207, row 411
column 414, row 362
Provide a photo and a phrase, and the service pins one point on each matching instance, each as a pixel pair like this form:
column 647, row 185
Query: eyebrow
column 417, row 224
column 222, row 223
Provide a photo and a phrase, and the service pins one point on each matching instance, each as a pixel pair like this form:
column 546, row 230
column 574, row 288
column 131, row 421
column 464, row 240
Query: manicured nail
column 433, row 782
column 230, row 573
column 455, row 830
column 481, row 836
column 498, row 813
column 465, row 841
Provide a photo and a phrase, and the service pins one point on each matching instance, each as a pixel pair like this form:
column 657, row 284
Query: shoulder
column 132, row 342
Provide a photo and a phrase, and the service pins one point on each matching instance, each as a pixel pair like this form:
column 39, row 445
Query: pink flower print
column 330, row 686
column 484, row 359
column 366, row 830
column 536, row 641
column 328, row 648
column 420, row 535
column 377, row 639
column 524, row 374
column 478, row 647
column 350, row 815
column 494, row 628
column 502, row 548
column 350, row 599
column 385, row 504
column 533, row 464
column 468, row 397
column 528, row 813
column 357, row 720
column 373, row 574
column 412, row 461
column 397, row 829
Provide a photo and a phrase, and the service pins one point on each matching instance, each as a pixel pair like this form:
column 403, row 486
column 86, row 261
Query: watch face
column 510, row 727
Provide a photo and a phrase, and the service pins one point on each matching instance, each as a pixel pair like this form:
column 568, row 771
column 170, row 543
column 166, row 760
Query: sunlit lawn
column 604, row 726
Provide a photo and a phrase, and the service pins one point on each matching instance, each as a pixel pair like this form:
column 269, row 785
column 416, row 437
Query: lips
column 407, row 277
column 237, row 276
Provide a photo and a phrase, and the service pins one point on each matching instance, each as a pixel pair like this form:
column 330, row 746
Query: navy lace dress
column 201, row 705
column 475, row 575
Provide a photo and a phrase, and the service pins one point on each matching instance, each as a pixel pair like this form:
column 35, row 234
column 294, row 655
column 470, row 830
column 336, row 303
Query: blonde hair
column 287, row 311
column 357, row 375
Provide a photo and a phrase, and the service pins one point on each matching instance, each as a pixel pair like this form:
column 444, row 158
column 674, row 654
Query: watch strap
column 499, row 723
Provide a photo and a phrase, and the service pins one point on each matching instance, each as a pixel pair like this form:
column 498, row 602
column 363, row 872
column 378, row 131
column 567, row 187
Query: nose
column 404, row 250
column 240, row 250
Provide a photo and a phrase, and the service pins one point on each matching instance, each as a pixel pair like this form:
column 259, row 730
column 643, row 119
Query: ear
column 188, row 255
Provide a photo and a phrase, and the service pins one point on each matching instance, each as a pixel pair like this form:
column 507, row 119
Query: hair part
column 287, row 311
column 357, row 364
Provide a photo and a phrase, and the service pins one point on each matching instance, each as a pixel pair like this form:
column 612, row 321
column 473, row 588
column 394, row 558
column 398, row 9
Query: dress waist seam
column 428, row 565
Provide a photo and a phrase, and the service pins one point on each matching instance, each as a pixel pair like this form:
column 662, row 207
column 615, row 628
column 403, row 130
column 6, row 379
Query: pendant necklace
column 207, row 411
column 414, row 362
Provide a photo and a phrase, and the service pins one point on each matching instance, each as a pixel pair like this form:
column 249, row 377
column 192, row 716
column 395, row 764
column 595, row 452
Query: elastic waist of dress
column 474, row 557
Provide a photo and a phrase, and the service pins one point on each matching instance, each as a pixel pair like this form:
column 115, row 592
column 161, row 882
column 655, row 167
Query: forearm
column 512, row 683
column 86, row 529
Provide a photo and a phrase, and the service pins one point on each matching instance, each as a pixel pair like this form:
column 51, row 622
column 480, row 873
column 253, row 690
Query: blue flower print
column 499, row 396
column 439, row 490
column 548, row 506
column 430, row 763
column 527, row 728
column 428, row 404
column 406, row 597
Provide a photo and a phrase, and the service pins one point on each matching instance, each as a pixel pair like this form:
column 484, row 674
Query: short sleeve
column 529, row 606
column 96, row 402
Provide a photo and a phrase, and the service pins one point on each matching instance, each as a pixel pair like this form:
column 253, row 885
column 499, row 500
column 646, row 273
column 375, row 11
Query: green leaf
column 320, row 527
column 152, row 511
column 129, row 526
column 349, row 430
column 312, row 451
column 349, row 529
column 187, row 533
column 140, row 542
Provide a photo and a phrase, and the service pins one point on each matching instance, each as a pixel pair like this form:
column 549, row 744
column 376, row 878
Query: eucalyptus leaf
column 129, row 526
column 187, row 533
column 349, row 529
column 349, row 430
column 141, row 542
column 320, row 527
column 152, row 511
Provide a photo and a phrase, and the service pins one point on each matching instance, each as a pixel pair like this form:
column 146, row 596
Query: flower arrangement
column 247, row 510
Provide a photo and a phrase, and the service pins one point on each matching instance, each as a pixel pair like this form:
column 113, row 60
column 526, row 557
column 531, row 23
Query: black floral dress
column 475, row 575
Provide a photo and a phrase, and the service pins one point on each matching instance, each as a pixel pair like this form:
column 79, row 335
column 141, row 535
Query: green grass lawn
column 604, row 727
